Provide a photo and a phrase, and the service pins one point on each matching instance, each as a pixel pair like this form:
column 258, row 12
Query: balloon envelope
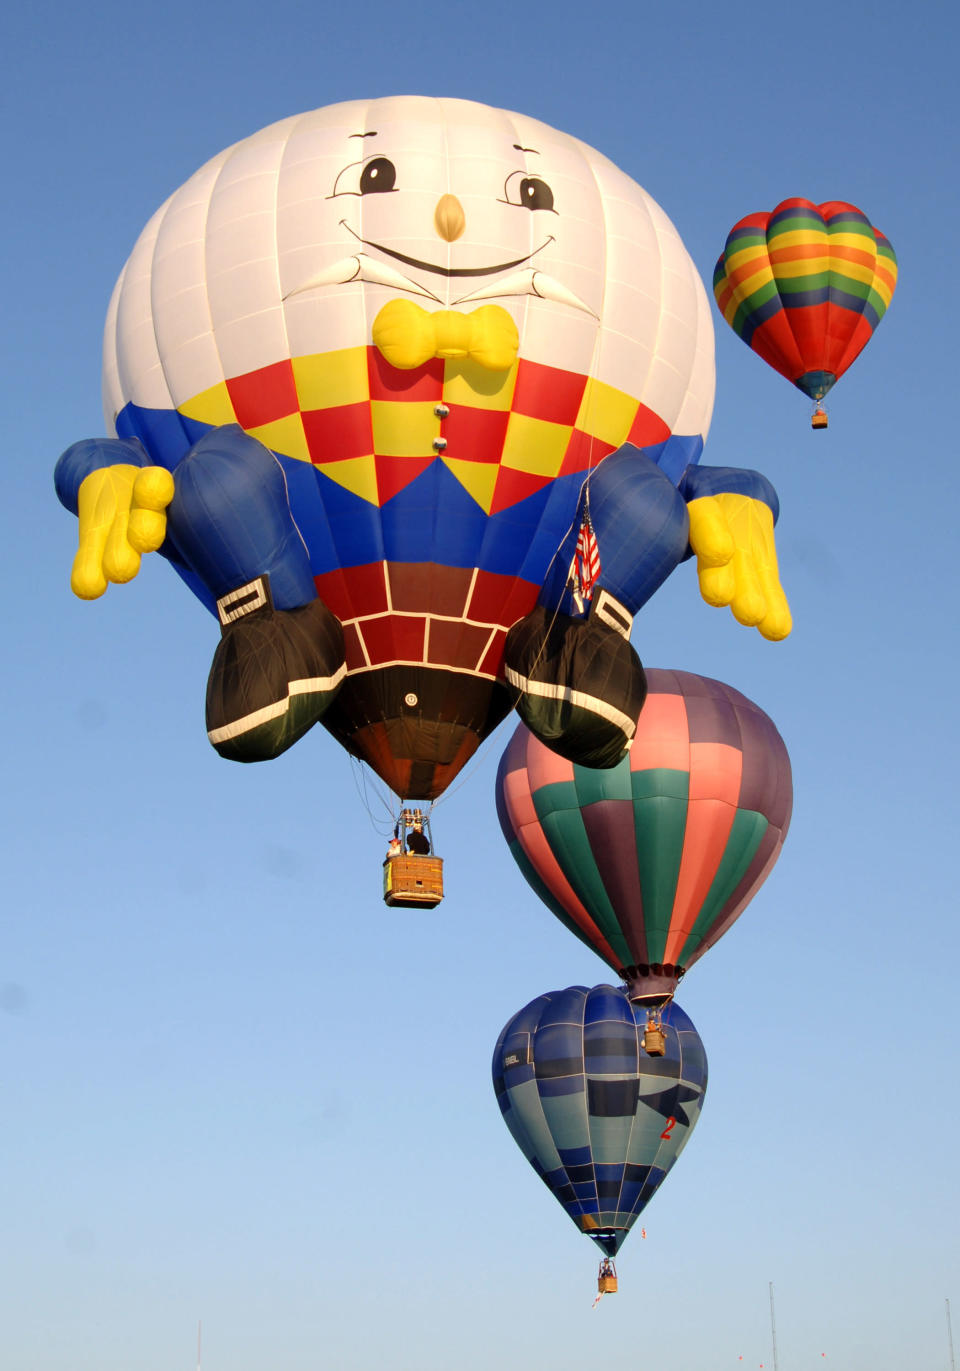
column 651, row 861
column 327, row 285
column 599, row 1121
column 805, row 286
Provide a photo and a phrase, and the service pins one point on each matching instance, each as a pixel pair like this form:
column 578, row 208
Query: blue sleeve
column 92, row 454
column 698, row 481
column 230, row 520
column 641, row 525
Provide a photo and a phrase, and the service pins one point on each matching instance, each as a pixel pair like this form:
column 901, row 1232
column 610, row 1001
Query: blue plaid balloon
column 599, row 1121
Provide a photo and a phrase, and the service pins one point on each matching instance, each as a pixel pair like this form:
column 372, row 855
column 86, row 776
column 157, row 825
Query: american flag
column 587, row 559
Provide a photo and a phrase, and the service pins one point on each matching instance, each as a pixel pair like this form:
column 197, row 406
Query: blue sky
column 238, row 1090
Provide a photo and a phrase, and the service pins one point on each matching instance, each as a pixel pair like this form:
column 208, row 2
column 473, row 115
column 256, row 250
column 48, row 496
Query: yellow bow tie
column 407, row 336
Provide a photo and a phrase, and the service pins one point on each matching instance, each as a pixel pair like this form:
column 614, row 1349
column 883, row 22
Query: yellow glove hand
column 122, row 514
column 732, row 537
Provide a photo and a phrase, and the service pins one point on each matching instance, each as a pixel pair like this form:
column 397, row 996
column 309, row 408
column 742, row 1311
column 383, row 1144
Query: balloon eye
column 378, row 175
column 532, row 192
column 535, row 194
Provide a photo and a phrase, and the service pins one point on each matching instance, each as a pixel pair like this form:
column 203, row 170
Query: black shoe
column 274, row 673
column 579, row 685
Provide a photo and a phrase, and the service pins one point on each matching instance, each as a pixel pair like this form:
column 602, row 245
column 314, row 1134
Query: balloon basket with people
column 654, row 1040
column 412, row 872
column 607, row 1277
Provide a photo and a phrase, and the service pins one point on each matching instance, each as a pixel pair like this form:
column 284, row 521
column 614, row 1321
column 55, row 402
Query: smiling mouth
column 445, row 271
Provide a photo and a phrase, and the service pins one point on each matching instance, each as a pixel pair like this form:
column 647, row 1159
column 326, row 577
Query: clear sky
column 235, row 1088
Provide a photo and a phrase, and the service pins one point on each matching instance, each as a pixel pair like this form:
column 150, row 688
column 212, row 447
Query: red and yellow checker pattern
column 372, row 427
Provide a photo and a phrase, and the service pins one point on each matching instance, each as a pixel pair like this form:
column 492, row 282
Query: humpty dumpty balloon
column 412, row 393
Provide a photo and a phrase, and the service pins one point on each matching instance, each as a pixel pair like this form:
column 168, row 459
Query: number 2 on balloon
column 671, row 1122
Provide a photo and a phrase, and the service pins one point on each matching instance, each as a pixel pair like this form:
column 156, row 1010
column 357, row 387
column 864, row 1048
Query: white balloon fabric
column 287, row 245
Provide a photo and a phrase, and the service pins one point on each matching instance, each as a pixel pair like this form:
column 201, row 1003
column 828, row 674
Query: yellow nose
column 449, row 218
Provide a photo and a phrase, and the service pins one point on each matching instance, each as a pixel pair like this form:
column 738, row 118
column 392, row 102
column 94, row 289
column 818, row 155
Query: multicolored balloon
column 805, row 286
column 384, row 347
column 651, row 861
column 599, row 1121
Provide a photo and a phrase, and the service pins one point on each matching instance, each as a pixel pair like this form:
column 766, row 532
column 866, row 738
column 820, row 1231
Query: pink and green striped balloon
column 650, row 862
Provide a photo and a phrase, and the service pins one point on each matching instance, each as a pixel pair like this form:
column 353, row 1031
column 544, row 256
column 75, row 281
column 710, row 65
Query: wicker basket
column 413, row 882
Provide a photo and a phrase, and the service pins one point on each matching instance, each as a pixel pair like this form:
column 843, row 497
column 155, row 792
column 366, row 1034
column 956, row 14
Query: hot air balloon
column 650, row 862
column 387, row 349
column 599, row 1120
column 805, row 286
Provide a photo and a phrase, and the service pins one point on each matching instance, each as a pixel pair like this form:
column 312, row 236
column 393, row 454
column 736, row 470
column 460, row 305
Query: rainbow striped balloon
column 805, row 286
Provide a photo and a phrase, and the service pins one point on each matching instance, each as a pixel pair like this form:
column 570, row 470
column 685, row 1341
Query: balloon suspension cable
column 591, row 403
column 580, row 578
column 364, row 784
column 480, row 756
column 478, row 760
column 542, row 649
column 582, row 495
column 584, row 492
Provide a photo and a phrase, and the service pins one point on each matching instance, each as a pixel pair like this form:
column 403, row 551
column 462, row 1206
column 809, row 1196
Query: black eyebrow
column 522, row 149
column 371, row 134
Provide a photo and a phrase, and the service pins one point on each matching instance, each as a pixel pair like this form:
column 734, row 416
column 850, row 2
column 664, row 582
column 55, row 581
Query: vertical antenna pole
column 953, row 1364
column 773, row 1330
